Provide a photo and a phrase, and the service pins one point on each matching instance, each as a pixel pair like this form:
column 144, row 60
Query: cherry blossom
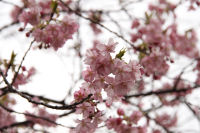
column 6, row 118
column 56, row 34
column 166, row 120
column 23, row 78
column 126, row 123
column 97, row 77
column 153, row 62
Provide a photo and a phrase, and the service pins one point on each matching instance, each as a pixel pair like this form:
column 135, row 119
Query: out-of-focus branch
column 101, row 25
column 182, row 72
column 64, row 107
column 146, row 114
column 192, row 110
column 7, row 2
column 162, row 92
column 6, row 91
column 17, row 124
column 23, row 58
column 116, row 23
column 31, row 115
column 44, row 98
column 163, row 127
column 8, row 25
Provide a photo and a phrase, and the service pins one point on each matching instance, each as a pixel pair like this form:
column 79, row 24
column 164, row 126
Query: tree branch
column 101, row 25
column 24, row 123
column 161, row 92
column 8, row 25
column 31, row 115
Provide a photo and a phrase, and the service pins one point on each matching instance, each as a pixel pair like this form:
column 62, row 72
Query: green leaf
column 121, row 53
column 12, row 58
column 148, row 17
column 143, row 47
column 141, row 55
column 54, row 5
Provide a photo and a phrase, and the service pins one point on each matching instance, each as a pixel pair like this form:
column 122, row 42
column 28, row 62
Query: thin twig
column 8, row 25
column 162, row 92
column 106, row 28
column 31, row 115
column 16, row 73
column 7, row 2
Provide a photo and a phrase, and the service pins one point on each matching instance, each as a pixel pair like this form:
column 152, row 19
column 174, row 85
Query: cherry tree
column 134, row 67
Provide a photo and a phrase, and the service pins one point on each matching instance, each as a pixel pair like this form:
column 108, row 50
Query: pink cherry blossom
column 86, row 108
column 6, row 118
column 84, row 126
column 135, row 24
column 113, row 123
column 56, row 34
column 80, row 94
column 15, row 13
column 32, row 17
column 153, row 62
column 136, row 116
column 109, row 48
column 166, row 120
column 24, row 78
column 184, row 44
column 120, row 111
column 88, row 75
column 46, row 29
column 97, row 76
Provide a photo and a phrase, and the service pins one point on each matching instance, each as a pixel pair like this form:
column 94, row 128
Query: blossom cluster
column 6, row 118
column 23, row 77
column 56, row 34
column 46, row 29
column 113, row 75
column 155, row 47
column 157, row 41
column 124, row 123
column 166, row 120
column 172, row 98
column 153, row 63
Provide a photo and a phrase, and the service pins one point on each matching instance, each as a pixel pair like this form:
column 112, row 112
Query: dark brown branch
column 163, row 127
column 192, row 110
column 68, row 113
column 24, row 123
column 44, row 98
column 182, row 72
column 6, row 90
column 161, row 92
column 146, row 114
column 31, row 115
column 64, row 107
